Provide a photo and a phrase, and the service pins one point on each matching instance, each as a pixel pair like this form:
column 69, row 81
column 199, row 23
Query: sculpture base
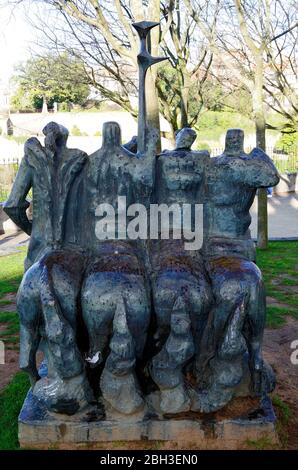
column 40, row 429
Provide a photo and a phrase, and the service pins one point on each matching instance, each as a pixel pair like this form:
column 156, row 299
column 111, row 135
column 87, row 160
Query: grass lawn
column 11, row 401
column 279, row 265
column 11, row 272
column 12, row 397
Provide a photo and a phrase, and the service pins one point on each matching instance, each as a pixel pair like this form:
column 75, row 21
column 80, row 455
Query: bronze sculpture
column 153, row 312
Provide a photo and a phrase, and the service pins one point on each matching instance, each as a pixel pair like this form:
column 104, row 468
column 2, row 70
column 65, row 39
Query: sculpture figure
column 47, row 296
column 115, row 271
column 237, row 320
column 178, row 273
column 189, row 320
column 168, row 365
column 118, row 381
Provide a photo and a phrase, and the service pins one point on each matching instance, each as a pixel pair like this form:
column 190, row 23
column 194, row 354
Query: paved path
column 283, row 223
column 11, row 241
column 282, row 216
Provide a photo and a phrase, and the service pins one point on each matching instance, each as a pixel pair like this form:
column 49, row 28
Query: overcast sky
column 16, row 35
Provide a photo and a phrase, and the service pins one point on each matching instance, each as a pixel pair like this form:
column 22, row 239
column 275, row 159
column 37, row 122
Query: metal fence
column 284, row 160
column 285, row 163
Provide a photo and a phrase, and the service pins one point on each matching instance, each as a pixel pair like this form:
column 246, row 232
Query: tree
column 246, row 33
column 182, row 84
column 282, row 73
column 100, row 34
column 43, row 80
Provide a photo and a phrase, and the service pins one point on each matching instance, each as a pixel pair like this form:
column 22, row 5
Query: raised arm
column 258, row 170
column 255, row 169
column 143, row 168
column 16, row 205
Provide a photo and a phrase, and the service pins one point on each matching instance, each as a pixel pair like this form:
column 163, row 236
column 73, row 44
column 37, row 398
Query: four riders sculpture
column 122, row 320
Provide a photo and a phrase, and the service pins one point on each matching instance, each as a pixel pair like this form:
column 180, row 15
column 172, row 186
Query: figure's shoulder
column 94, row 156
column 230, row 161
column 125, row 153
column 34, row 153
column 219, row 160
column 185, row 153
column 125, row 150
column 202, row 154
column 223, row 165
column 258, row 153
column 165, row 153
column 32, row 144
column 77, row 154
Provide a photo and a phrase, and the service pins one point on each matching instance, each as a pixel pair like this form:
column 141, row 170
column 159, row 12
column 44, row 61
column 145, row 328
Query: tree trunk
column 152, row 105
column 184, row 88
column 262, row 194
column 260, row 124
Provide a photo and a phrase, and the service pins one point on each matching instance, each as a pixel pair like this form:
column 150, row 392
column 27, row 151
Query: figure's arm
column 142, row 171
column 258, row 170
column 16, row 205
column 143, row 167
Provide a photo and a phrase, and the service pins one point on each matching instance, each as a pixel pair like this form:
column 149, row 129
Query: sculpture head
column 185, row 138
column 234, row 142
column 111, row 134
column 180, row 171
column 56, row 136
column 132, row 145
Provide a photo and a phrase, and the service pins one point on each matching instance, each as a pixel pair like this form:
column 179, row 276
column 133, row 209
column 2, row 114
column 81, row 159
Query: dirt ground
column 11, row 366
column 277, row 351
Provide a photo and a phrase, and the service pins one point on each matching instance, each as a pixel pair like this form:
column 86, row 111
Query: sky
column 16, row 35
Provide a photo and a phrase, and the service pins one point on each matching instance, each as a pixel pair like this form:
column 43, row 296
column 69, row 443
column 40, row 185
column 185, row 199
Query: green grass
column 11, row 271
column 11, row 401
column 275, row 316
column 263, row 443
column 279, row 265
column 284, row 414
column 5, row 302
column 284, row 409
column 8, row 317
column 10, row 335
column 13, row 395
column 289, row 282
column 212, row 124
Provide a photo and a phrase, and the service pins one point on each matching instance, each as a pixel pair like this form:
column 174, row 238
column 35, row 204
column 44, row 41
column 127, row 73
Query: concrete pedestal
column 90, row 429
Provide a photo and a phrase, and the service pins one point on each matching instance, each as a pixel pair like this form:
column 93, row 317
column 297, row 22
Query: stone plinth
column 40, row 429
